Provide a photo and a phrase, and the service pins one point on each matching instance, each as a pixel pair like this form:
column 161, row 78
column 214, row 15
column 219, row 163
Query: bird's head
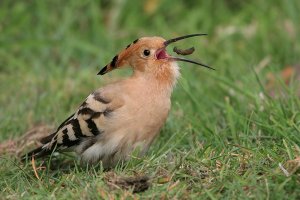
column 147, row 55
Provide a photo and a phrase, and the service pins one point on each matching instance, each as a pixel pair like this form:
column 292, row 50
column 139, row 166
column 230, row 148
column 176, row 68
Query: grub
column 184, row 51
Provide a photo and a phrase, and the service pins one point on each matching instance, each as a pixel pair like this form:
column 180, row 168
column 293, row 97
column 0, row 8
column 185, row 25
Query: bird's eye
column 146, row 52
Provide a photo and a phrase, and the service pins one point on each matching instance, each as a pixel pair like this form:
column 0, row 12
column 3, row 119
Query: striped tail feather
column 42, row 152
column 37, row 153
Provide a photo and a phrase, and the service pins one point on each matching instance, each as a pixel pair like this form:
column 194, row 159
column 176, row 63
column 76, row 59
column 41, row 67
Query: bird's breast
column 144, row 113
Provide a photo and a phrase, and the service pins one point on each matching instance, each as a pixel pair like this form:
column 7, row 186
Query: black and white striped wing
column 82, row 124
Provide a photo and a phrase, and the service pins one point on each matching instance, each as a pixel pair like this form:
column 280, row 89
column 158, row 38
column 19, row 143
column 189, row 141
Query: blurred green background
column 51, row 51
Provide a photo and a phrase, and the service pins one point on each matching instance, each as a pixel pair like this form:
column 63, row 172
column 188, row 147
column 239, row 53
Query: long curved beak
column 182, row 37
column 166, row 43
column 190, row 61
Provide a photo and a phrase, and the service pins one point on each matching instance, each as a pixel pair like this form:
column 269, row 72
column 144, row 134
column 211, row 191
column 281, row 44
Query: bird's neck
column 163, row 79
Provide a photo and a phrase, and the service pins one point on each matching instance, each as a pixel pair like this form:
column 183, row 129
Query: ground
column 233, row 133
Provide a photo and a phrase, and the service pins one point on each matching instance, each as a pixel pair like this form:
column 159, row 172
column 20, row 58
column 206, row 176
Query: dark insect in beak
column 184, row 51
column 166, row 43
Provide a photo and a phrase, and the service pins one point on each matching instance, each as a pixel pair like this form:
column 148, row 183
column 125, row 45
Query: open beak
column 162, row 54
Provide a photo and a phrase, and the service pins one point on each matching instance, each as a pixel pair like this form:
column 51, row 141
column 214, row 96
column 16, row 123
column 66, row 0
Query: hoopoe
column 118, row 118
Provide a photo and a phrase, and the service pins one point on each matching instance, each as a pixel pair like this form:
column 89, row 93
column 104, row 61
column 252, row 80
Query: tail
column 37, row 153
column 50, row 142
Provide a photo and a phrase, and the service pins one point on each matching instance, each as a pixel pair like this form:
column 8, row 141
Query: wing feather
column 85, row 122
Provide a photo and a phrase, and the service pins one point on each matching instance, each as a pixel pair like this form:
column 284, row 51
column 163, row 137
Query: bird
column 125, row 115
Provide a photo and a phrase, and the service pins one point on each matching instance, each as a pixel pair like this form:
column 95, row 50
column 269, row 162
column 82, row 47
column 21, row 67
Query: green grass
column 225, row 135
